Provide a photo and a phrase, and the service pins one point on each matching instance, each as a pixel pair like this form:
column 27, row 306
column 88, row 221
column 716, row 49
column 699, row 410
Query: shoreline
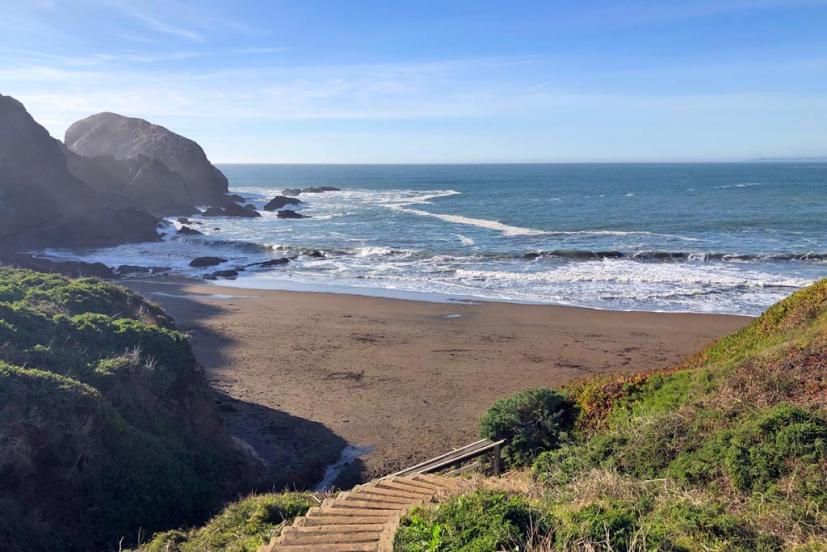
column 393, row 294
column 408, row 378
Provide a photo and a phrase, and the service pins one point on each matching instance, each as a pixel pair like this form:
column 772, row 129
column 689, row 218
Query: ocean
column 721, row 238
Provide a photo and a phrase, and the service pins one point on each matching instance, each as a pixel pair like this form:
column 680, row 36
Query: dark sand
column 301, row 373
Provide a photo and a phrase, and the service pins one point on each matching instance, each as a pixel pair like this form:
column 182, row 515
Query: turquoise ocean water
column 730, row 238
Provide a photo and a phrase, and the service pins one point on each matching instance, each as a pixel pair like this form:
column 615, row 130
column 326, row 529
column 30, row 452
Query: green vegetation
column 532, row 421
column 107, row 426
column 484, row 520
column 242, row 526
column 726, row 451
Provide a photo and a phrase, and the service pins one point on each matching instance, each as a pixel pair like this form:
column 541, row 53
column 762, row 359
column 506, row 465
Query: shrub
column 760, row 448
column 483, row 521
column 686, row 526
column 558, row 467
column 604, row 525
column 532, row 421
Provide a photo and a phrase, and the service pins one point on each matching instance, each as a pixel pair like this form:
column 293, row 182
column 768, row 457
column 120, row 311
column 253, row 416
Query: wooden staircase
column 364, row 518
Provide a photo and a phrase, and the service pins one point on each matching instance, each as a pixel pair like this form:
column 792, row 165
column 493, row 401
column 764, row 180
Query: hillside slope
column 726, row 451
column 107, row 425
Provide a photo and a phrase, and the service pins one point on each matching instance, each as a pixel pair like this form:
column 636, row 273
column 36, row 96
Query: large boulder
column 289, row 214
column 42, row 203
column 139, row 182
column 113, row 135
column 231, row 210
column 201, row 262
column 281, row 201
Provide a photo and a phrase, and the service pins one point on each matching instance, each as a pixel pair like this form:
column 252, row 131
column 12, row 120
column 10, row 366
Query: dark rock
column 184, row 220
column 119, row 137
column 201, row 262
column 75, row 269
column 320, row 189
column 226, row 274
column 213, row 212
column 231, row 210
column 291, row 191
column 281, row 201
column 250, row 206
column 187, row 231
column 133, row 269
column 126, row 270
column 272, row 262
column 315, row 253
column 234, row 210
column 235, row 198
column 288, row 214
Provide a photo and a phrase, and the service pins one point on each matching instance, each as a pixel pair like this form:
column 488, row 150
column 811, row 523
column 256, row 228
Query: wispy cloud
column 31, row 57
column 162, row 27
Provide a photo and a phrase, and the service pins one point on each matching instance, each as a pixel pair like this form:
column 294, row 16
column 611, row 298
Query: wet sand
column 408, row 378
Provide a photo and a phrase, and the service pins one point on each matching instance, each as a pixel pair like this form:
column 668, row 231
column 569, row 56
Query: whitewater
column 725, row 238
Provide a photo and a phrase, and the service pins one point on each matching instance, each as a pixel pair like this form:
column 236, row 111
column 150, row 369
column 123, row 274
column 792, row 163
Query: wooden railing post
column 497, row 460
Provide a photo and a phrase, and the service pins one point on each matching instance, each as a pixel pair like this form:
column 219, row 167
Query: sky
column 339, row 81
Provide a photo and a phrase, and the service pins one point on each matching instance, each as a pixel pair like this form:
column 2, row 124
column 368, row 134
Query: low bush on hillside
column 483, row 520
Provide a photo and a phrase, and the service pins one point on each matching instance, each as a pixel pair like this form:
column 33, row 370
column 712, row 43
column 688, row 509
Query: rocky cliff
column 130, row 139
column 41, row 202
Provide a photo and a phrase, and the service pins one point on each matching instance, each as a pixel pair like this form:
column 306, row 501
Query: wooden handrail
column 440, row 457
column 449, row 459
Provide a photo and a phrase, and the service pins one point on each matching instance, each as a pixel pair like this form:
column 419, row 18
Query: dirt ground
column 298, row 374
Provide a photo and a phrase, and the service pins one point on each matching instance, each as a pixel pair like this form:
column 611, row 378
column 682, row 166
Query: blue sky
column 422, row 81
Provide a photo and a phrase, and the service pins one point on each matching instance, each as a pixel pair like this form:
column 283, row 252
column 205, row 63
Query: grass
column 243, row 526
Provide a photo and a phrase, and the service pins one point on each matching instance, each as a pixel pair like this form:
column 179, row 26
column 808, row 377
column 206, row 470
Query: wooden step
column 347, row 547
column 353, row 510
column 365, row 495
column 336, row 528
column 447, row 483
column 419, row 483
column 355, row 502
column 405, row 486
column 376, row 490
column 293, row 537
column 343, row 520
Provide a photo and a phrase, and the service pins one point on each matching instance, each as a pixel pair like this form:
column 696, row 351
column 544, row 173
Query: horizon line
column 761, row 160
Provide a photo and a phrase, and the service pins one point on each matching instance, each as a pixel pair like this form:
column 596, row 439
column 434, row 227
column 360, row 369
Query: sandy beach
column 300, row 374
